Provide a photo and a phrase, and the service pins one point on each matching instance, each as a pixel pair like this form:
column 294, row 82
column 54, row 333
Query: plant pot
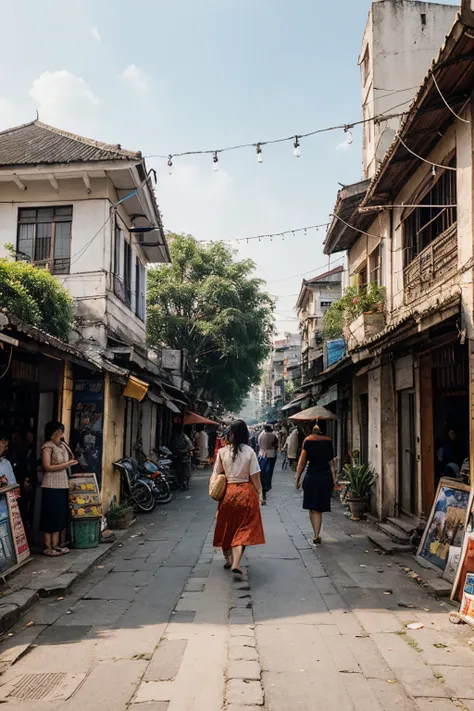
column 358, row 507
column 119, row 521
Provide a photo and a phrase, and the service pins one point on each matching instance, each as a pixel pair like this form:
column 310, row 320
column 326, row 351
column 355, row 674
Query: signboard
column 20, row 542
column 170, row 359
column 84, row 496
column 7, row 552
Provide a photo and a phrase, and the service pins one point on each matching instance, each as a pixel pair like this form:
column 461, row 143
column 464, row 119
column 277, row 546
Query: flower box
column 364, row 327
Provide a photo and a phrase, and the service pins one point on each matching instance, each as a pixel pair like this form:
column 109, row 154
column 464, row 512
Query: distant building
column 286, row 359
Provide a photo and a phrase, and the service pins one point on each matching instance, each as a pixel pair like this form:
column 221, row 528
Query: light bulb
column 259, row 153
column 215, row 162
column 297, row 149
column 433, row 171
column 350, row 139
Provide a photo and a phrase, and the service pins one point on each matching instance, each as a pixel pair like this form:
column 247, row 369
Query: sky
column 165, row 77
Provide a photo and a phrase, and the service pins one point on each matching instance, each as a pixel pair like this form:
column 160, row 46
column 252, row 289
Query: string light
column 270, row 235
column 215, row 162
column 349, row 139
column 259, row 153
column 297, row 149
column 170, row 161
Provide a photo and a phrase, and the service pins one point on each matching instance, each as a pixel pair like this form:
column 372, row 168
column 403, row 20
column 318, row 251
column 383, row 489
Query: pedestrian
column 268, row 443
column 56, row 458
column 201, row 444
column 182, row 447
column 239, row 522
column 7, row 476
column 292, row 444
column 320, row 477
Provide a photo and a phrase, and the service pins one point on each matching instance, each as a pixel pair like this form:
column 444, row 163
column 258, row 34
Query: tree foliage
column 210, row 306
column 35, row 296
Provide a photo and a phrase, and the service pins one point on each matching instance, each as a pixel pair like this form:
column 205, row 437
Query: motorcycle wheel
column 164, row 492
column 143, row 497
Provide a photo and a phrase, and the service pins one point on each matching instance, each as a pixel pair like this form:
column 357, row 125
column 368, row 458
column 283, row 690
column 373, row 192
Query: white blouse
column 240, row 469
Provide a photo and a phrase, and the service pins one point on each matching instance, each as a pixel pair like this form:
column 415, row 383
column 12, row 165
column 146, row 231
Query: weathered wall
column 114, row 420
column 374, row 378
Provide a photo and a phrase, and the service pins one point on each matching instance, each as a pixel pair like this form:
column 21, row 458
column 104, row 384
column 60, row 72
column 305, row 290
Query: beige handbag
column 217, row 486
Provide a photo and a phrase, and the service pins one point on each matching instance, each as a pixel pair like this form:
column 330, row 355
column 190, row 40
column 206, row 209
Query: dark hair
column 5, row 433
column 268, row 428
column 316, row 429
column 238, row 435
column 51, row 428
column 199, row 428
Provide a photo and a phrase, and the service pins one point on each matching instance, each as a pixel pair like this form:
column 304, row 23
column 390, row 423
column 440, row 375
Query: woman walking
column 56, row 459
column 320, row 477
column 239, row 523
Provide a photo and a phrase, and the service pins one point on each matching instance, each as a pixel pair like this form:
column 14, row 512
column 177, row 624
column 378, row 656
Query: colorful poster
column 446, row 523
column 467, row 602
column 87, row 426
column 7, row 552
column 20, row 541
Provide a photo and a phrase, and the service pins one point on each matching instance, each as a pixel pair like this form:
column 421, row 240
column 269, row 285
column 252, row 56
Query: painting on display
column 446, row 523
column 466, row 558
column 20, row 541
column 7, row 552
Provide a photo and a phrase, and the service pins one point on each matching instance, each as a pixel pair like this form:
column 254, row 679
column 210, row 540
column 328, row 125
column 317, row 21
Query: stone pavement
column 160, row 626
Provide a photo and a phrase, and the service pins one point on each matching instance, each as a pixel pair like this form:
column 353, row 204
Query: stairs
column 394, row 535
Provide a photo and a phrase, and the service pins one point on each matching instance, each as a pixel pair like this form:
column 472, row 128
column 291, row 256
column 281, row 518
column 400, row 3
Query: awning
column 329, row 396
column 296, row 402
column 192, row 418
column 171, row 406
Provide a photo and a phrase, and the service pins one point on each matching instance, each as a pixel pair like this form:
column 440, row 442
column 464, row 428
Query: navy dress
column 317, row 483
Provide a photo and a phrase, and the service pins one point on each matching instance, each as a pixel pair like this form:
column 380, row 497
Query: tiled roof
column 36, row 143
column 322, row 277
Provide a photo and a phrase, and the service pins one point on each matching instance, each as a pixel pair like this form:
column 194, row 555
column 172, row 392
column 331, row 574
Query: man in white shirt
column 7, row 477
column 201, row 443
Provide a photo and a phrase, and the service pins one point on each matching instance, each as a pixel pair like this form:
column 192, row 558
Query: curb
column 15, row 604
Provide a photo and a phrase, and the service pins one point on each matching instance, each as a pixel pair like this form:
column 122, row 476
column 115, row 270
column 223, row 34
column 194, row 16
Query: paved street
column 160, row 626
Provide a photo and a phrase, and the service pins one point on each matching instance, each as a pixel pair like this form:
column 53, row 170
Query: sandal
column 51, row 552
column 237, row 573
column 317, row 540
column 62, row 550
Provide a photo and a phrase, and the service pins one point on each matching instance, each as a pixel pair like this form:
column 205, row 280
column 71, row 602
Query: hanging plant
column 354, row 302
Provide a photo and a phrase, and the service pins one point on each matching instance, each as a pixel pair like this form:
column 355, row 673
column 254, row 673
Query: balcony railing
column 436, row 263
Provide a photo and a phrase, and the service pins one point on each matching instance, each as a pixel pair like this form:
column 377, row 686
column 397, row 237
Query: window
column 324, row 305
column 140, row 288
column 365, row 66
column 375, row 266
column 44, row 237
column 122, row 267
column 425, row 224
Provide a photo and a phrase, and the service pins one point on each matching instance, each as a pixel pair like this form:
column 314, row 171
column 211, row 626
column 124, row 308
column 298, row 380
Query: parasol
column 192, row 418
column 317, row 412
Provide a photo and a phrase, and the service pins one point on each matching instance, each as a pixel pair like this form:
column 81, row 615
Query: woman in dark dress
column 320, row 477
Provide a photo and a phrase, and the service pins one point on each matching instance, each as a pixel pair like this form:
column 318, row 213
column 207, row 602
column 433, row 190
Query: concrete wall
column 374, row 378
column 114, row 414
column 402, row 37
column 90, row 280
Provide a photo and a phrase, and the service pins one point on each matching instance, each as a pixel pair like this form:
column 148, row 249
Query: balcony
column 435, row 264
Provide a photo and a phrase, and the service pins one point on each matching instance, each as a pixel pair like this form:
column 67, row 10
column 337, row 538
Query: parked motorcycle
column 139, row 488
column 164, row 461
column 154, row 473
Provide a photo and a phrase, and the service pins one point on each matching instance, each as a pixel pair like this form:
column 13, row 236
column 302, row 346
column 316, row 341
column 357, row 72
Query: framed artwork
column 466, row 558
column 446, row 523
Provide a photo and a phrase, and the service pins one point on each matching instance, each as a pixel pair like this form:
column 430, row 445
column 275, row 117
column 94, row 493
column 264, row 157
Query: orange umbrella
column 192, row 418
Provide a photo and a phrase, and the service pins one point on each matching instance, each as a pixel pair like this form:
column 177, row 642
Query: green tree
column 210, row 306
column 35, row 296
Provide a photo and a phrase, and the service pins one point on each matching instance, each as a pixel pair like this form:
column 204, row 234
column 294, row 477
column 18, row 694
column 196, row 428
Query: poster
column 7, row 553
column 466, row 559
column 87, row 427
column 452, row 564
column 467, row 602
column 84, row 496
column 446, row 523
column 20, row 542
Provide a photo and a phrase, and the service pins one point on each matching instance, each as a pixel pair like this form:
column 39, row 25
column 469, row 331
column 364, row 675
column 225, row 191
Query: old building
column 87, row 211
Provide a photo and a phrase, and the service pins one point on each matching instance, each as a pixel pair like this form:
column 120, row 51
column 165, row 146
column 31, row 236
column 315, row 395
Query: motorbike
column 164, row 461
column 139, row 488
column 155, row 474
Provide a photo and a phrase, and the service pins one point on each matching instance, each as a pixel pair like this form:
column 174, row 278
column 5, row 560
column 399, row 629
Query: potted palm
column 359, row 479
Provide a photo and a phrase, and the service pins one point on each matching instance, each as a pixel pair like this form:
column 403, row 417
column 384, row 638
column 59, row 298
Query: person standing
column 201, row 444
column 239, row 522
column 181, row 446
column 56, row 458
column 319, row 480
column 292, row 444
column 7, row 476
column 268, row 443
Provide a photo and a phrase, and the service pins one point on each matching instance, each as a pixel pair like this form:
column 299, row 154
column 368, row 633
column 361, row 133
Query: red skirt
column 239, row 522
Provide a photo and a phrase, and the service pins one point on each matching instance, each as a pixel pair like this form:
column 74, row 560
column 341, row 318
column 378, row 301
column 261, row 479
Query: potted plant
column 119, row 516
column 359, row 478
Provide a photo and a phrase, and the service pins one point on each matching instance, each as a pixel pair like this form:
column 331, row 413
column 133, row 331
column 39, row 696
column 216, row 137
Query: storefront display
column 84, row 497
column 14, row 548
column 445, row 527
column 466, row 558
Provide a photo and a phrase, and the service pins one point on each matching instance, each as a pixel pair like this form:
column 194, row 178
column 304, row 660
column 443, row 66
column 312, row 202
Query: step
column 386, row 544
column 393, row 532
column 407, row 527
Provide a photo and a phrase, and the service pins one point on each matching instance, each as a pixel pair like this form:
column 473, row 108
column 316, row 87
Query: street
column 161, row 626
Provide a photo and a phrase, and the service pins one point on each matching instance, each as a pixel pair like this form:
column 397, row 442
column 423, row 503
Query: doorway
column 407, row 452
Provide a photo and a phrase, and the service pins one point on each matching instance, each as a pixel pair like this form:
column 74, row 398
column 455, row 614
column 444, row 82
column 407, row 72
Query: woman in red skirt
column 239, row 523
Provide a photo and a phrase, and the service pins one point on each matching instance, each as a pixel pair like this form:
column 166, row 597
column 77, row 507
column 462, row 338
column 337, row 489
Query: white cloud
column 344, row 146
column 135, row 78
column 96, row 34
column 64, row 99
